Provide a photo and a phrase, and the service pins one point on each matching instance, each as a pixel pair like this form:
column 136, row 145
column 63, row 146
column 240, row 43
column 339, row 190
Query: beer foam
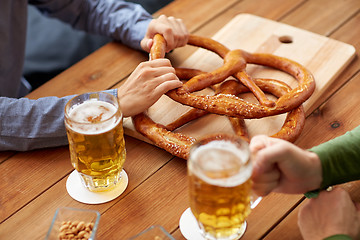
column 206, row 157
column 93, row 117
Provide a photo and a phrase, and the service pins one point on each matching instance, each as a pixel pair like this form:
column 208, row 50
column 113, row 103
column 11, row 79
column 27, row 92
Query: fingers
column 164, row 81
column 357, row 205
column 262, row 141
column 154, row 68
column 155, row 71
column 257, row 142
column 156, row 63
column 267, row 174
column 267, row 158
column 160, row 76
column 148, row 45
column 167, row 84
column 173, row 30
column 175, row 34
column 146, row 84
column 266, row 183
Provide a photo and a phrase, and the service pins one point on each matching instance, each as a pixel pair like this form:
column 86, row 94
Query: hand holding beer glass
column 219, row 172
column 96, row 139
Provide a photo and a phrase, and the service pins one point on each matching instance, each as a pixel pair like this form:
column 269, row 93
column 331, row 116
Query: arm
column 283, row 167
column 340, row 158
column 27, row 124
column 30, row 124
column 120, row 20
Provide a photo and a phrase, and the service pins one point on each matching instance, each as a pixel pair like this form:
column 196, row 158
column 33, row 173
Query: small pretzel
column 225, row 101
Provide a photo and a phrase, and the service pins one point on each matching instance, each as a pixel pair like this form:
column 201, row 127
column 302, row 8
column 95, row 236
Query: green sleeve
column 338, row 237
column 340, row 158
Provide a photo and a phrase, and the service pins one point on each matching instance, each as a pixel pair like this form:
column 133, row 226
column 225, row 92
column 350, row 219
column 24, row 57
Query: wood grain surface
column 32, row 183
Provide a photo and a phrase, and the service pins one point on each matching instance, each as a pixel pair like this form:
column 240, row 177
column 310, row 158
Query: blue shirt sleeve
column 123, row 21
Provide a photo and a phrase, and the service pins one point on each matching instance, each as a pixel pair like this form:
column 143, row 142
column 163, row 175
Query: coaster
column 77, row 191
column 189, row 227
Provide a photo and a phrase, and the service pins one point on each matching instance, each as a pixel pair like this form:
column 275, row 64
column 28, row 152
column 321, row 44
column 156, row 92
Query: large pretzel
column 225, row 101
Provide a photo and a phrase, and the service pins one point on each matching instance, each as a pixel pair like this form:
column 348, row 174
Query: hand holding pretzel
column 172, row 29
column 225, row 101
column 146, row 85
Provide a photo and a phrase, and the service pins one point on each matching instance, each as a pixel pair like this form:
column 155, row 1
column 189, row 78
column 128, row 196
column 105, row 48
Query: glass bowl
column 155, row 232
column 79, row 222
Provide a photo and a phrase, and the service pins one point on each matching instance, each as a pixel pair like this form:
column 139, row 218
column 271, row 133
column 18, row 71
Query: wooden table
column 32, row 183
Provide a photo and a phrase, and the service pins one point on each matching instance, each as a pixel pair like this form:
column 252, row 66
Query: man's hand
column 329, row 214
column 281, row 166
column 173, row 30
column 147, row 83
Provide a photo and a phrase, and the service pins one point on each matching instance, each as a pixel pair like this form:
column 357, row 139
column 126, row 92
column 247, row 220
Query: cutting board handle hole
column 286, row 39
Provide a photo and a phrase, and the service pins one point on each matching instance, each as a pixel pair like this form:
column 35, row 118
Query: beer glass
column 96, row 139
column 219, row 173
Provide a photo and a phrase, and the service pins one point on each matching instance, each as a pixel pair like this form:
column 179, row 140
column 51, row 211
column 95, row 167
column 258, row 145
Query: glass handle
column 255, row 201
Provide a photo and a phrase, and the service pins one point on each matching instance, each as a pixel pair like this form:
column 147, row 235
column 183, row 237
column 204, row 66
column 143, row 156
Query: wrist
column 315, row 174
column 122, row 103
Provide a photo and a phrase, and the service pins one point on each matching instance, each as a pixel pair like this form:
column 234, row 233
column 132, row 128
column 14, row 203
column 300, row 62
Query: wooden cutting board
column 324, row 57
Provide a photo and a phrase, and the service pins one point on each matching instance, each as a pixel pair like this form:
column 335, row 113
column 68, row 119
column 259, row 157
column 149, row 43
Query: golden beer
column 220, row 188
column 96, row 139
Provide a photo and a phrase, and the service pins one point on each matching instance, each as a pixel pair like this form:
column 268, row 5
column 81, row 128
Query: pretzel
column 225, row 101
column 291, row 129
column 233, row 106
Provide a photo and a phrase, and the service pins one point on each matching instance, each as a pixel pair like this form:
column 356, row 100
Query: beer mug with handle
column 96, row 139
column 219, row 171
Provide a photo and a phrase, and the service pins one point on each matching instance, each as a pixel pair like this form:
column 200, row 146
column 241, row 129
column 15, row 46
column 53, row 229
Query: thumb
column 146, row 44
column 357, row 206
column 257, row 143
column 267, row 159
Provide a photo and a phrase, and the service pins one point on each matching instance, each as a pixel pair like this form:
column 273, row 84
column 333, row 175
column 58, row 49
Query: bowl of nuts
column 72, row 223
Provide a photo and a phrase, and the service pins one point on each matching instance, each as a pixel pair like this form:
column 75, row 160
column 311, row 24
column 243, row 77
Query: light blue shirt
column 29, row 124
